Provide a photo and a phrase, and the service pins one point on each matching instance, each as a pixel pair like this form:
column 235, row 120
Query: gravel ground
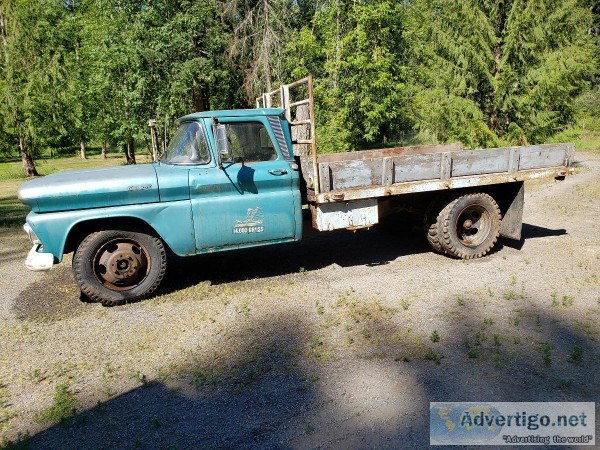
column 327, row 343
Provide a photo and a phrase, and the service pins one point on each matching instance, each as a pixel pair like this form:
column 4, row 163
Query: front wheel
column 115, row 267
column 469, row 226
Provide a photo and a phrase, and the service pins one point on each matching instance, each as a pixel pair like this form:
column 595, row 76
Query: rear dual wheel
column 115, row 266
column 467, row 227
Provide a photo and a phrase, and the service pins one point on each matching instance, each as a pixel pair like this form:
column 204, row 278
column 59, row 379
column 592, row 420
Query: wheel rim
column 473, row 225
column 121, row 264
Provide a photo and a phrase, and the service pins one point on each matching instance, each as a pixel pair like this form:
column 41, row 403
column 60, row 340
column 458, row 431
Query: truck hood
column 93, row 188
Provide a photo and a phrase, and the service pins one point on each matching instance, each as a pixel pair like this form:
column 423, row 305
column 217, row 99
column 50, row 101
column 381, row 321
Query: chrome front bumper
column 39, row 261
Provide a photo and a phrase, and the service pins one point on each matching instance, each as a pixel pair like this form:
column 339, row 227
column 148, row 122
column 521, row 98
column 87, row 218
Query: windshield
column 188, row 146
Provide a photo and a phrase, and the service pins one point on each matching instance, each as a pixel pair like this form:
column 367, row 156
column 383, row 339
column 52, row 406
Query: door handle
column 278, row 171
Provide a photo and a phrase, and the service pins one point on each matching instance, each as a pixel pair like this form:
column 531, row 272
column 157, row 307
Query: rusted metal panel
column 512, row 221
column 446, row 166
column 477, row 162
column 325, row 178
column 513, row 159
column 387, row 172
column 345, row 215
column 538, row 156
column 417, row 167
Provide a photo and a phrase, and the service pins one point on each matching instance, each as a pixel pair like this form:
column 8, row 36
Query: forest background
column 81, row 73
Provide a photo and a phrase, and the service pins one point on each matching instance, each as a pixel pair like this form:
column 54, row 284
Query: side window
column 188, row 146
column 250, row 142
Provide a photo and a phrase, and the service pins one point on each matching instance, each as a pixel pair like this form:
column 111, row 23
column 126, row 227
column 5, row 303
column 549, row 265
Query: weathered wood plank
column 477, row 162
column 356, row 173
column 417, row 167
column 539, row 156
column 385, row 152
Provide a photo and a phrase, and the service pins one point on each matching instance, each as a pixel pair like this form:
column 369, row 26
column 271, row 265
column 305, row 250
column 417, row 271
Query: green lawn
column 12, row 211
column 13, row 169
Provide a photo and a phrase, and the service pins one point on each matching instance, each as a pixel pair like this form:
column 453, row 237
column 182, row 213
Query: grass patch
column 585, row 135
column 546, row 350
column 576, row 356
column 434, row 355
column 63, row 406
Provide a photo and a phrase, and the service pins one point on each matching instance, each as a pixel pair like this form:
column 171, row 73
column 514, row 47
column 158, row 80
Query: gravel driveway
column 339, row 341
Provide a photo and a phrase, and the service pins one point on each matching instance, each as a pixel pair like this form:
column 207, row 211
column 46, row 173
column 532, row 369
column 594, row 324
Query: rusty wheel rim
column 473, row 225
column 121, row 264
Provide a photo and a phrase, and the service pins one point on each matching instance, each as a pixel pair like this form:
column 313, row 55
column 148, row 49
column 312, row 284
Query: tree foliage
column 479, row 71
column 501, row 70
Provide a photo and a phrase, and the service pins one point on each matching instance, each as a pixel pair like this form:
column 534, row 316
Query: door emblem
column 253, row 223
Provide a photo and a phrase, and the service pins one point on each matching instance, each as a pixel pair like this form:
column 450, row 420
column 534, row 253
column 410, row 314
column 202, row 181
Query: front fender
column 172, row 221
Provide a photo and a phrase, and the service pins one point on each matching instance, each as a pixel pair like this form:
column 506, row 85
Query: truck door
column 251, row 199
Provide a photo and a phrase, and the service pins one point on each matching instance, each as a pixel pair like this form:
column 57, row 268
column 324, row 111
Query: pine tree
column 500, row 70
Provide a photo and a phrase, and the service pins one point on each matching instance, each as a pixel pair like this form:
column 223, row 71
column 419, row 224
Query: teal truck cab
column 230, row 179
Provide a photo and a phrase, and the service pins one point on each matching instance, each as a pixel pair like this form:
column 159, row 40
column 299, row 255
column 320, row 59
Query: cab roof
column 232, row 113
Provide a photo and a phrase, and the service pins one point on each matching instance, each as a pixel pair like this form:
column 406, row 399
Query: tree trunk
column 199, row 95
column 82, row 148
column 130, row 151
column 103, row 149
column 28, row 165
column 2, row 30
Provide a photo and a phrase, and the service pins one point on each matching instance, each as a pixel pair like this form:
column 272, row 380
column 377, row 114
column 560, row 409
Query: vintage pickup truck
column 230, row 179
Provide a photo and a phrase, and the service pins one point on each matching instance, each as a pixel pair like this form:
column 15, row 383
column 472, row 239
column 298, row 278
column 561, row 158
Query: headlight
column 30, row 233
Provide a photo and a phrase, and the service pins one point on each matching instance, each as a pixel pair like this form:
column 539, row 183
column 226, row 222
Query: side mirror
column 223, row 147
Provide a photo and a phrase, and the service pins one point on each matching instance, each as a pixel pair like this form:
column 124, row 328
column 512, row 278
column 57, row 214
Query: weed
column 461, row 300
column 516, row 340
column 433, row 355
column 63, row 406
column 565, row 384
column 554, row 300
column 320, row 310
column 155, row 422
column 516, row 319
column 473, row 352
column 487, row 323
column 435, row 337
column 497, row 340
column 490, row 292
column 402, row 358
column 36, row 375
column 405, row 304
column 302, row 270
column 21, row 443
column 243, row 308
column 510, row 295
column 545, row 348
column 206, row 377
column 315, row 348
column 108, row 371
column 576, row 355
column 567, row 301
column 366, row 333
column 513, row 280
column 140, row 378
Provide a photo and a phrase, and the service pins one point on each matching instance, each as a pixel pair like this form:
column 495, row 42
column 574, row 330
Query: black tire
column 469, row 226
column 114, row 267
column 430, row 225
